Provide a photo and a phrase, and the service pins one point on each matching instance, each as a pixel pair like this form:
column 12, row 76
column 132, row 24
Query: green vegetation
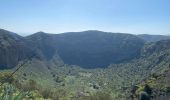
column 49, row 75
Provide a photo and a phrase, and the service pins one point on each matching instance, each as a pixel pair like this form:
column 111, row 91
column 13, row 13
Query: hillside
column 54, row 72
column 116, row 79
column 13, row 48
column 88, row 49
column 153, row 38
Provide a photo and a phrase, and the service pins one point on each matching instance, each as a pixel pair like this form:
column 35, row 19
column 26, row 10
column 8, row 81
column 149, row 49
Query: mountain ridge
column 153, row 38
column 73, row 44
column 86, row 48
column 49, row 69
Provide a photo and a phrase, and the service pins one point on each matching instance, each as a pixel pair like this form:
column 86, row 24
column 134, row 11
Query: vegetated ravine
column 86, row 63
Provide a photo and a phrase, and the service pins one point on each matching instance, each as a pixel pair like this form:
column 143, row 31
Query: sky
column 57, row 16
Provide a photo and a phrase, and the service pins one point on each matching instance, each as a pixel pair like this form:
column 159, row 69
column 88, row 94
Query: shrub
column 46, row 93
column 97, row 96
column 10, row 93
column 5, row 77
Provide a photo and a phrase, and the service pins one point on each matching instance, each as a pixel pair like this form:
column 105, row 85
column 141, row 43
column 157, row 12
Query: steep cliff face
column 13, row 48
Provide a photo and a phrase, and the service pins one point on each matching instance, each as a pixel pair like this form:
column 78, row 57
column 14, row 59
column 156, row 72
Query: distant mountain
column 153, row 38
column 88, row 49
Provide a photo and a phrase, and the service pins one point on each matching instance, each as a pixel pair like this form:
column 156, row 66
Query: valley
column 88, row 65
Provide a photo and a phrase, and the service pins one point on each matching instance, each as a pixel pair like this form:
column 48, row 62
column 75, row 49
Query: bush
column 46, row 93
column 97, row 96
column 5, row 77
column 30, row 85
column 11, row 93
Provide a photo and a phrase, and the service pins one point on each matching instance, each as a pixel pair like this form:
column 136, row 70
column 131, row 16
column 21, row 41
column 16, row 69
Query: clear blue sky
column 56, row 16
